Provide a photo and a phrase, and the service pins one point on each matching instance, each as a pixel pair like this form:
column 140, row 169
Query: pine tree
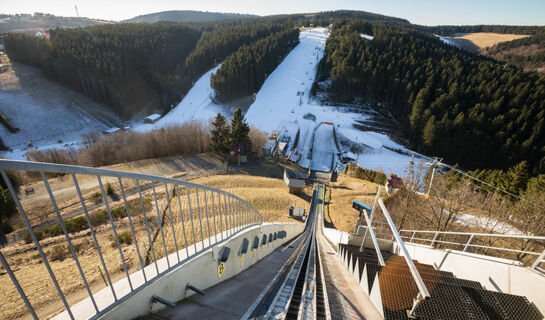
column 518, row 177
column 7, row 205
column 239, row 130
column 220, row 134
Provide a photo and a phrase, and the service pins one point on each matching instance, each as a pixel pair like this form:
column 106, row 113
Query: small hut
column 393, row 184
column 152, row 118
column 295, row 180
column 239, row 153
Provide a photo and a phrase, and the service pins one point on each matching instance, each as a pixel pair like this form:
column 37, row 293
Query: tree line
column 215, row 45
column 449, row 31
column 244, row 71
column 469, row 109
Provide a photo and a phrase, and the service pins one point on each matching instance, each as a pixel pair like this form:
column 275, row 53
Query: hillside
column 187, row 15
column 27, row 22
column 465, row 108
column 527, row 53
column 57, row 120
column 479, row 41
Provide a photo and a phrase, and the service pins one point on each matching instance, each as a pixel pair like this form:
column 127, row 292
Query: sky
column 425, row 12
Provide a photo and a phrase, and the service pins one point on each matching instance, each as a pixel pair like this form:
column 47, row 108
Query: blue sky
column 427, row 12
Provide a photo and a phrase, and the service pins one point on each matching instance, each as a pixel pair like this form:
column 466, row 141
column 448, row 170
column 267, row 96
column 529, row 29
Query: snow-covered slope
column 449, row 41
column 45, row 112
column 197, row 105
column 277, row 105
column 323, row 150
column 277, row 98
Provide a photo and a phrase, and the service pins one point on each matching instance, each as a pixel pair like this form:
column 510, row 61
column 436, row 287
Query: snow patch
column 197, row 105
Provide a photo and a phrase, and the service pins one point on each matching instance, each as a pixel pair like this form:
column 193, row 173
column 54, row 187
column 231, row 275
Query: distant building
column 393, row 184
column 239, row 153
column 295, row 180
column 112, row 130
column 282, row 146
column 152, row 118
column 270, row 147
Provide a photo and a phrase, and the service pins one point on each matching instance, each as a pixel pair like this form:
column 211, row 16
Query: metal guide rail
column 168, row 221
column 298, row 291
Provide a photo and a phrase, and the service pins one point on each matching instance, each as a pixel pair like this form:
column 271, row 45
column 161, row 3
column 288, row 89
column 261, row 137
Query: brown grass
column 480, row 40
column 339, row 213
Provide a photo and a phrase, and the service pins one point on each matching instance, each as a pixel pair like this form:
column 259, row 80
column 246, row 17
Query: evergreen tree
column 518, row 177
column 220, row 134
column 240, row 130
column 7, row 205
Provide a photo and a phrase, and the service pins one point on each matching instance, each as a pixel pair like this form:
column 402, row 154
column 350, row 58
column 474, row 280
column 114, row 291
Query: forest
column 140, row 67
column 469, row 109
column 134, row 67
column 217, row 44
column 243, row 72
column 129, row 67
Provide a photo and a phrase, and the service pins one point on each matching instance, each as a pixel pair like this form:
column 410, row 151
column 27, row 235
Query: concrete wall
column 494, row 274
column 201, row 271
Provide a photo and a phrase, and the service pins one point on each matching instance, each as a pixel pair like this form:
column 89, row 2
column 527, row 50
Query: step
column 450, row 301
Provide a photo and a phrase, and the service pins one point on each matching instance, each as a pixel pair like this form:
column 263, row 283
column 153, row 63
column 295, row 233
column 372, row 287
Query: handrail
column 203, row 205
column 496, row 235
column 371, row 232
column 471, row 237
column 72, row 169
column 423, row 290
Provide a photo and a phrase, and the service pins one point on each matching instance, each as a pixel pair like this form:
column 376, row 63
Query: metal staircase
column 450, row 297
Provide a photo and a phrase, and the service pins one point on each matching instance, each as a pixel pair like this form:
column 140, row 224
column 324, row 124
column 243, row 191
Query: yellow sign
column 241, row 259
column 221, row 269
column 253, row 253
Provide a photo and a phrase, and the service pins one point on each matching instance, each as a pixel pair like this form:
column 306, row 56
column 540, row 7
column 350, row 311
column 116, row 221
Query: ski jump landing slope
column 323, row 155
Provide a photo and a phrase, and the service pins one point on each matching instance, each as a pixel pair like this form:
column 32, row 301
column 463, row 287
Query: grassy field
column 268, row 195
column 339, row 213
column 475, row 42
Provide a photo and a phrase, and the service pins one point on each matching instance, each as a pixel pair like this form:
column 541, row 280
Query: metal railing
column 419, row 235
column 166, row 222
column 423, row 292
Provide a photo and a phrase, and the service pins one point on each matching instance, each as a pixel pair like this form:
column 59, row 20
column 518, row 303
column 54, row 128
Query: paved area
column 231, row 298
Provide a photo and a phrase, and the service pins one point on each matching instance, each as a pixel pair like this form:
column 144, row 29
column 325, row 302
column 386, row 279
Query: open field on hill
column 339, row 213
column 475, row 42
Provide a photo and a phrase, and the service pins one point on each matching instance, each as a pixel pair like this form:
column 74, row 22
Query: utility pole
column 436, row 163
column 300, row 94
